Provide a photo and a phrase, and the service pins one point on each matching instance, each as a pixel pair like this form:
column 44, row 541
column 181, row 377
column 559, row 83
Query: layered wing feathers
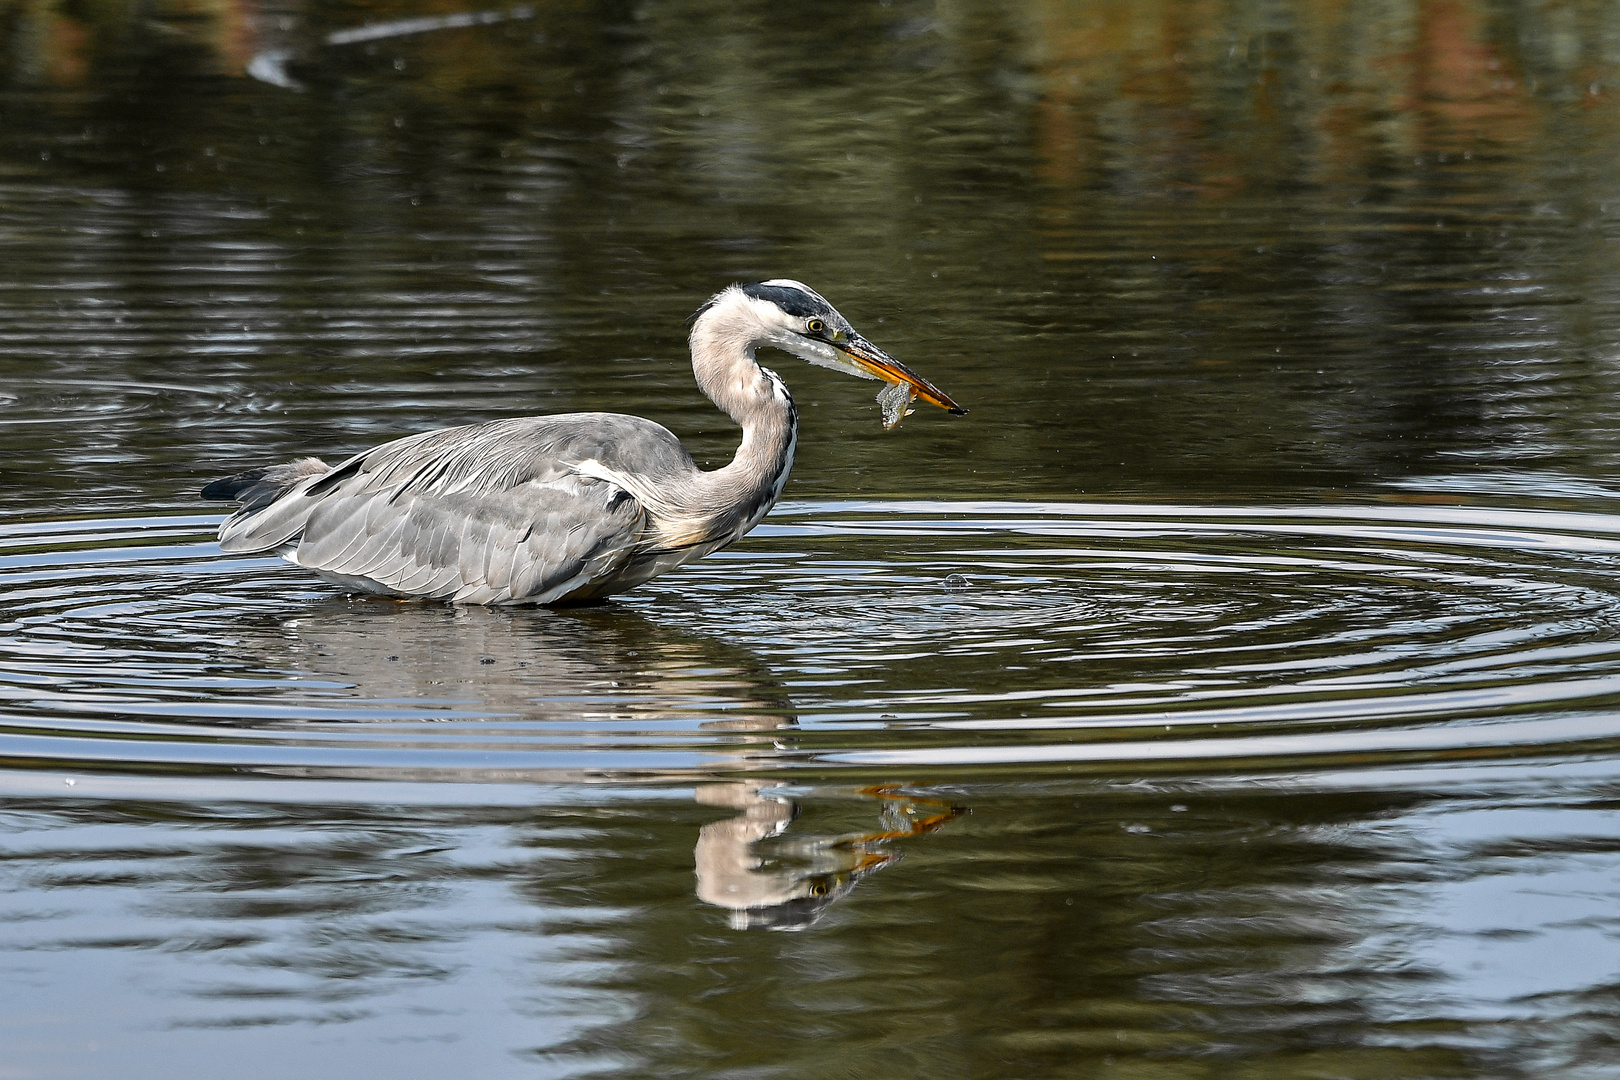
column 486, row 514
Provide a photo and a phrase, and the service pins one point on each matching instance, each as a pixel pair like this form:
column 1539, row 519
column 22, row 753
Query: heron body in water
column 569, row 508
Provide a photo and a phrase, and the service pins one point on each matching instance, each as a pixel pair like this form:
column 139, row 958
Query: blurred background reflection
column 1157, row 246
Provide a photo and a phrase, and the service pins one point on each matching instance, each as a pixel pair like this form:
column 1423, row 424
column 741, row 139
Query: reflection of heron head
column 805, row 901
column 791, row 887
column 778, row 896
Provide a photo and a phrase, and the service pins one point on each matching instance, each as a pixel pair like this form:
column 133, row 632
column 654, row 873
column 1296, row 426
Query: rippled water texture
column 1235, row 691
column 845, row 636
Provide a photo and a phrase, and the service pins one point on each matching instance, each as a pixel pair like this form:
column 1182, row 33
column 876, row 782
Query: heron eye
column 815, row 326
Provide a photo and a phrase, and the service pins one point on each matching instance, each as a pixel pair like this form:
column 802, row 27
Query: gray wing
column 493, row 513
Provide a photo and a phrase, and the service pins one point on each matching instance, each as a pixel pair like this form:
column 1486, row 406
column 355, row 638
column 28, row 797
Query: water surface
column 1233, row 692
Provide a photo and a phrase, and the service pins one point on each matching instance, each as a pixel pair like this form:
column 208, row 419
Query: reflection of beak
column 879, row 364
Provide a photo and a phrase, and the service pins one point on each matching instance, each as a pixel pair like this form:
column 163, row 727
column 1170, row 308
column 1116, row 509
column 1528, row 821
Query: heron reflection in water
column 806, row 874
column 571, row 508
column 503, row 689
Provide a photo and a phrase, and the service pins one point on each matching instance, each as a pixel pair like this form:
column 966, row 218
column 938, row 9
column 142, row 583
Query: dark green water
column 1234, row 692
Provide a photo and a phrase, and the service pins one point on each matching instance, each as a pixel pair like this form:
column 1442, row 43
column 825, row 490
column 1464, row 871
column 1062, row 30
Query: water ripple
column 843, row 636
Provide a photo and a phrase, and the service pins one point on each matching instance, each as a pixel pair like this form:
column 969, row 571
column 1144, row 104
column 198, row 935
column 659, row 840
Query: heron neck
column 735, row 497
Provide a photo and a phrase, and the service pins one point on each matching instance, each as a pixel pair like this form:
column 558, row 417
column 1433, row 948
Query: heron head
column 795, row 318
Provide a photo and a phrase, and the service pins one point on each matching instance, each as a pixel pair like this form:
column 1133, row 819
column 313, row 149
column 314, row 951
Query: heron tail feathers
column 266, row 521
column 258, row 488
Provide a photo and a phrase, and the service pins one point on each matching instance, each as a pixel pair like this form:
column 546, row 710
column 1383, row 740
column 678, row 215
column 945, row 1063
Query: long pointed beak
column 880, row 365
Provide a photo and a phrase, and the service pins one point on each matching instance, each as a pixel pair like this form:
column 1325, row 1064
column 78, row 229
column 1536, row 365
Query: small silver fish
column 896, row 399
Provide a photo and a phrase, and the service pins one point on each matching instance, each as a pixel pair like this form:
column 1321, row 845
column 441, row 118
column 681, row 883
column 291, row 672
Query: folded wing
column 494, row 513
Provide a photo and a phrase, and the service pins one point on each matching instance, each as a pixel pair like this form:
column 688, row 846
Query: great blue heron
column 563, row 509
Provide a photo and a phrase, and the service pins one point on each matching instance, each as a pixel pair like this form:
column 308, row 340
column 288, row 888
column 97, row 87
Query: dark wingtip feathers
column 228, row 488
column 257, row 488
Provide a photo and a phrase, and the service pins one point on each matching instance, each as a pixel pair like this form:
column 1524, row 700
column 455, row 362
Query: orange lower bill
column 887, row 368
